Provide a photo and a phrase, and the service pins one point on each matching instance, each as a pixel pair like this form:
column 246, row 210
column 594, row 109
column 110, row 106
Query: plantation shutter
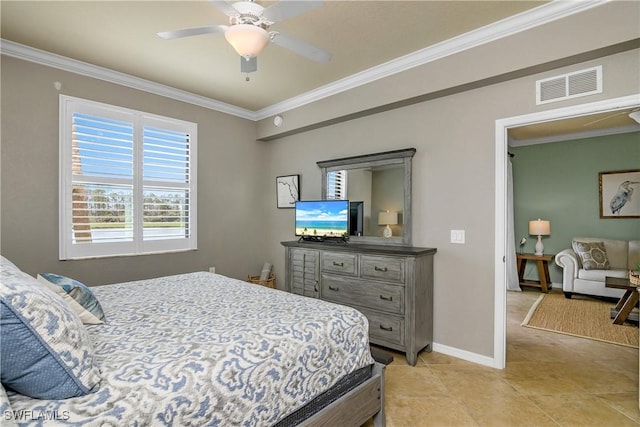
column 127, row 182
column 167, row 173
column 102, row 179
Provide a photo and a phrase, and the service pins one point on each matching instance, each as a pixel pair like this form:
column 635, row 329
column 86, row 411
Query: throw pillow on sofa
column 593, row 255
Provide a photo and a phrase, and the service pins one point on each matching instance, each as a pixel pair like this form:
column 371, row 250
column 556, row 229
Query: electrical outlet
column 457, row 236
column 212, row 269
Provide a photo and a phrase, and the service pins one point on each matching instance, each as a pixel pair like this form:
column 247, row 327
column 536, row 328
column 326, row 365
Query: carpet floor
column 580, row 316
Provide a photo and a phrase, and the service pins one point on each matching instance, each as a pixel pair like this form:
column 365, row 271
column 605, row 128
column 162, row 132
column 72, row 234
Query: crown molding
column 53, row 60
column 538, row 16
column 509, row 26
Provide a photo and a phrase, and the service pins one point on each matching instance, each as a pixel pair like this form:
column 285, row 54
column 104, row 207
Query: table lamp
column 539, row 228
column 387, row 218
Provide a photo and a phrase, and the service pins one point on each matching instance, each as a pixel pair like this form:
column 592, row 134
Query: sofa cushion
column 617, row 250
column 593, row 255
column 600, row 275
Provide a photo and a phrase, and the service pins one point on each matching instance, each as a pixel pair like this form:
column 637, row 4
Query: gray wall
column 230, row 163
column 447, row 110
column 453, row 184
column 559, row 182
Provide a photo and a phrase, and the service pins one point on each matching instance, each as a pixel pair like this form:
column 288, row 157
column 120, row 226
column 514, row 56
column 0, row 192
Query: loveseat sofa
column 585, row 265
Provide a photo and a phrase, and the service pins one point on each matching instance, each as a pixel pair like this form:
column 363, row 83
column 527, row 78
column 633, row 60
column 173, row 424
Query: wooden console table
column 542, row 261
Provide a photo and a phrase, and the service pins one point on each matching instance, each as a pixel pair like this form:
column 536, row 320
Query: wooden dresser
column 391, row 285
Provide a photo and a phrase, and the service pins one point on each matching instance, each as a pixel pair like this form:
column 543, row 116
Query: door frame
column 502, row 127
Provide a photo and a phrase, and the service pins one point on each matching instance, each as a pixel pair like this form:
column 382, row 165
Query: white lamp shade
column 539, row 227
column 248, row 40
column 387, row 218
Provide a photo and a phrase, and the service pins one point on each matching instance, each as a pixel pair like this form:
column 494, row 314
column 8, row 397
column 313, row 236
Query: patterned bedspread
column 203, row 349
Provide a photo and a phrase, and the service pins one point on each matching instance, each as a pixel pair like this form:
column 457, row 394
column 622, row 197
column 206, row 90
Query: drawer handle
column 338, row 264
column 334, row 288
column 383, row 269
column 386, row 298
column 388, row 329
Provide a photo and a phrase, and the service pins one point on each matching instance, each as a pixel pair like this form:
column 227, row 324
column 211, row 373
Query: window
column 127, row 181
column 337, row 185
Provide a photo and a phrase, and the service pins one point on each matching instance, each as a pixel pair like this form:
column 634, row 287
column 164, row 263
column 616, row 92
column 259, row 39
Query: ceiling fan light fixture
column 248, row 40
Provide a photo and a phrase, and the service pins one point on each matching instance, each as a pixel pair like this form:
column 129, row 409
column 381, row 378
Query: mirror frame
column 396, row 157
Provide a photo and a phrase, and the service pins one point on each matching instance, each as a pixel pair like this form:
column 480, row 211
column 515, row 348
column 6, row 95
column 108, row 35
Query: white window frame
column 138, row 246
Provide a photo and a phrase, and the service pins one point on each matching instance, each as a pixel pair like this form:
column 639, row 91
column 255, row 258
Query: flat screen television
column 322, row 219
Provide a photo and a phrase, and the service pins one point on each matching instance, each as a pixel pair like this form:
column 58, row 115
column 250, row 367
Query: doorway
column 501, row 153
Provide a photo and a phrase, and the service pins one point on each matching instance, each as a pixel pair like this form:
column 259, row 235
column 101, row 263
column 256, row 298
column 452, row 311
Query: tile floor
column 550, row 380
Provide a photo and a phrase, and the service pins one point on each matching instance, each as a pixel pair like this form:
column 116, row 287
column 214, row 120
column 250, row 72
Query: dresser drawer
column 304, row 273
column 382, row 268
column 342, row 263
column 372, row 295
column 304, row 286
column 385, row 328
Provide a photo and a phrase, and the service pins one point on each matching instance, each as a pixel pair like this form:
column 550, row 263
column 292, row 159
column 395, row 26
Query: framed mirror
column 378, row 187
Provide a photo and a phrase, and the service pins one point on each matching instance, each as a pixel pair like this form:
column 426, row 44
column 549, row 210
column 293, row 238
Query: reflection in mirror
column 371, row 211
column 378, row 187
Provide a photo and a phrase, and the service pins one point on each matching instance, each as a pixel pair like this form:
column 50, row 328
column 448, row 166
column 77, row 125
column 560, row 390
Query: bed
column 198, row 349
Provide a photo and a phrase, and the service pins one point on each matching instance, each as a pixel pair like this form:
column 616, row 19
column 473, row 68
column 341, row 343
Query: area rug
column 580, row 317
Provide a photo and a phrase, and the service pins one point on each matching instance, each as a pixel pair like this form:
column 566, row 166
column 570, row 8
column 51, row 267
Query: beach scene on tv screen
column 322, row 218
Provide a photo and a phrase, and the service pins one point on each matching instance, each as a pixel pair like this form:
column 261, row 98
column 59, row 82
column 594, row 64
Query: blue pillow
column 79, row 297
column 45, row 351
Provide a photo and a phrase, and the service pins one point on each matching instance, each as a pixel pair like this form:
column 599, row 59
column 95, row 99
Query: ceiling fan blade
column 287, row 9
column 224, row 7
column 300, row 47
column 188, row 32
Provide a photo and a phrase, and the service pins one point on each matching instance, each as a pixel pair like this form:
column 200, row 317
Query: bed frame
column 357, row 406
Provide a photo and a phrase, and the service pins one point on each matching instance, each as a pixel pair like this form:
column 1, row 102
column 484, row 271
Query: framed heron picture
column 287, row 191
column 620, row 194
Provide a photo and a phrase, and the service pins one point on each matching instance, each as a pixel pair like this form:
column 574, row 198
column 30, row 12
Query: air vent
column 571, row 85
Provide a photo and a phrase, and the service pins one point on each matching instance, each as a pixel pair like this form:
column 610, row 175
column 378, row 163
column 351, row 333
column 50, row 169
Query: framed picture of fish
column 620, row 194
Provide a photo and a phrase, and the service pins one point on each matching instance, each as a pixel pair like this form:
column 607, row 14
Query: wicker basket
column 269, row 283
column 635, row 280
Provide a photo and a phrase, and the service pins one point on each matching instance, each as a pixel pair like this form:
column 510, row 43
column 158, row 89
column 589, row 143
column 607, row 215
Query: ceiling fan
column 248, row 30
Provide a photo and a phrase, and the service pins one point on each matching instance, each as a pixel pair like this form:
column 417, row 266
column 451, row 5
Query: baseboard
column 474, row 357
column 464, row 355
